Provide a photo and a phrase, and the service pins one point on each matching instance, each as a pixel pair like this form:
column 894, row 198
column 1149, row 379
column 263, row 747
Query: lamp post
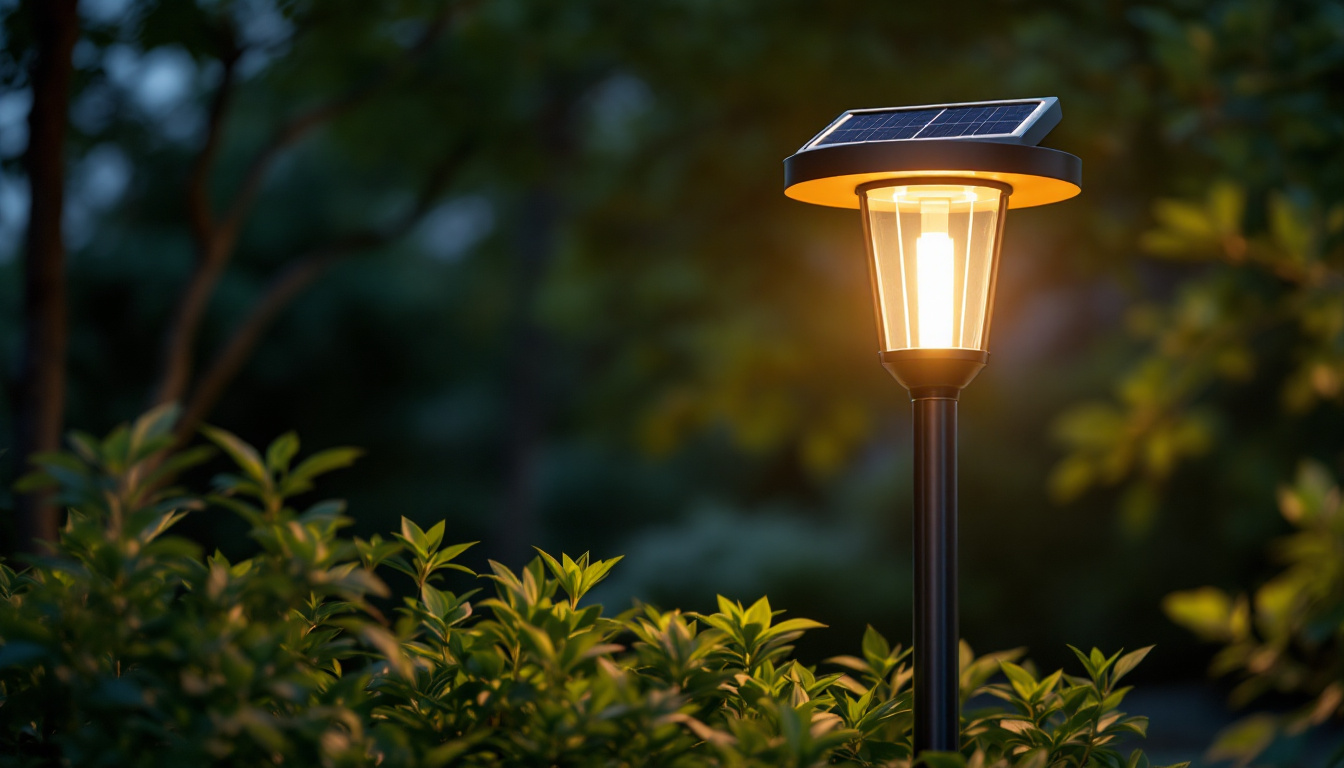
column 934, row 185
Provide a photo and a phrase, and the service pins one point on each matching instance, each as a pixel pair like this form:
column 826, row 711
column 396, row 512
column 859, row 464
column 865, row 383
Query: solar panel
column 1023, row 121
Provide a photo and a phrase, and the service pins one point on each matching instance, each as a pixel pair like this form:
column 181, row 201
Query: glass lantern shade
column 933, row 248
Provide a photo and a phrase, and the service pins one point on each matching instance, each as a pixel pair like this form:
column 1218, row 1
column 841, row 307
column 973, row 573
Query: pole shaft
column 937, row 667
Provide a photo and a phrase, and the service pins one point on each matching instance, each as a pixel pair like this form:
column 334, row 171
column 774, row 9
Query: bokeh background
column 562, row 301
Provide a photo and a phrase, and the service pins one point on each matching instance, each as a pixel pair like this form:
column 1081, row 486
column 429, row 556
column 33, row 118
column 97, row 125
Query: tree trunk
column 517, row 525
column 40, row 392
column 540, row 221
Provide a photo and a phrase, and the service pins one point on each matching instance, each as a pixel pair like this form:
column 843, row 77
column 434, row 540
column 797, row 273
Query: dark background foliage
column 591, row 321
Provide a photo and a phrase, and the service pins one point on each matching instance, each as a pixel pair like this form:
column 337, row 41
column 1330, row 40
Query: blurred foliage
column 1287, row 636
column 125, row 646
column 1245, row 86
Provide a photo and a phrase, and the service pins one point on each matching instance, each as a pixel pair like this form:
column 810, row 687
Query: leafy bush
column 1287, row 636
column 125, row 646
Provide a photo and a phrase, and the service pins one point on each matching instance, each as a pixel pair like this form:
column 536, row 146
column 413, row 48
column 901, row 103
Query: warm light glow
column 933, row 250
column 934, row 275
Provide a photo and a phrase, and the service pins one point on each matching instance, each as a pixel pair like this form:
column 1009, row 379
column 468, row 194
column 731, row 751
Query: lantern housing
column 933, row 247
column 934, row 185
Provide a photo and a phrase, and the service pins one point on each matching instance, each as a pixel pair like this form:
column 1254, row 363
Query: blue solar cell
column 949, row 122
column 880, row 126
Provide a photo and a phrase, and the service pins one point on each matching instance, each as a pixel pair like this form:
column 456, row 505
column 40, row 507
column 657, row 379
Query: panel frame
column 1030, row 131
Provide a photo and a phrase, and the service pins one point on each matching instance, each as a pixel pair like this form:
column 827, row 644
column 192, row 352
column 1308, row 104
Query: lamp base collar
column 934, row 373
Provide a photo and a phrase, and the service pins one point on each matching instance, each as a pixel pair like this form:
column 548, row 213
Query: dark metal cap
column 828, row 175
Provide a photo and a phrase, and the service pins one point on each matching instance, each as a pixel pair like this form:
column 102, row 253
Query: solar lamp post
column 934, row 185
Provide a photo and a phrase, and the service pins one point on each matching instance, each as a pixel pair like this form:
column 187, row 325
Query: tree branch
column 305, row 123
column 301, row 273
column 199, row 210
column 217, row 249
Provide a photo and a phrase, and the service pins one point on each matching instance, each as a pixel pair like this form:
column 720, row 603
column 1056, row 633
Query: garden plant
column 125, row 645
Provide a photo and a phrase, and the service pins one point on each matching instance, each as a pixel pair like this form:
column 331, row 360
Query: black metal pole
column 937, row 668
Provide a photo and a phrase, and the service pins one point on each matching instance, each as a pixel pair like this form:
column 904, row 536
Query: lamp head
column 934, row 185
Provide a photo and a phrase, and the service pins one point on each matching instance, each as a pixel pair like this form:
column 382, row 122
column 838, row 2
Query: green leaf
column 1244, row 740
column 1104, row 665
column 1206, row 611
column 323, row 510
column 554, row 565
column 434, row 536
column 1046, row 685
column 875, row 646
column 155, row 424
column 1112, row 701
column 281, row 452
column 35, row 481
column 86, row 446
column 388, row 645
column 244, row 455
column 728, row 607
column 1227, row 206
column 1021, row 679
column 1290, row 222
column 1128, row 662
column 300, row 479
column 794, row 625
column 452, row 551
column 177, row 462
column 436, row 602
column 414, row 537
column 760, row 613
column 1086, row 660
column 116, row 449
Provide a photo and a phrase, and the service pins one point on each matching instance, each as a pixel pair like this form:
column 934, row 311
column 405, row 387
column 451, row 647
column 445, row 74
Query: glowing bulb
column 933, row 272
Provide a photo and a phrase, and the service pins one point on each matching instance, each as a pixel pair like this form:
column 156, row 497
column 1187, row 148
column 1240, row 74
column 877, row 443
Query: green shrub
column 125, row 646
